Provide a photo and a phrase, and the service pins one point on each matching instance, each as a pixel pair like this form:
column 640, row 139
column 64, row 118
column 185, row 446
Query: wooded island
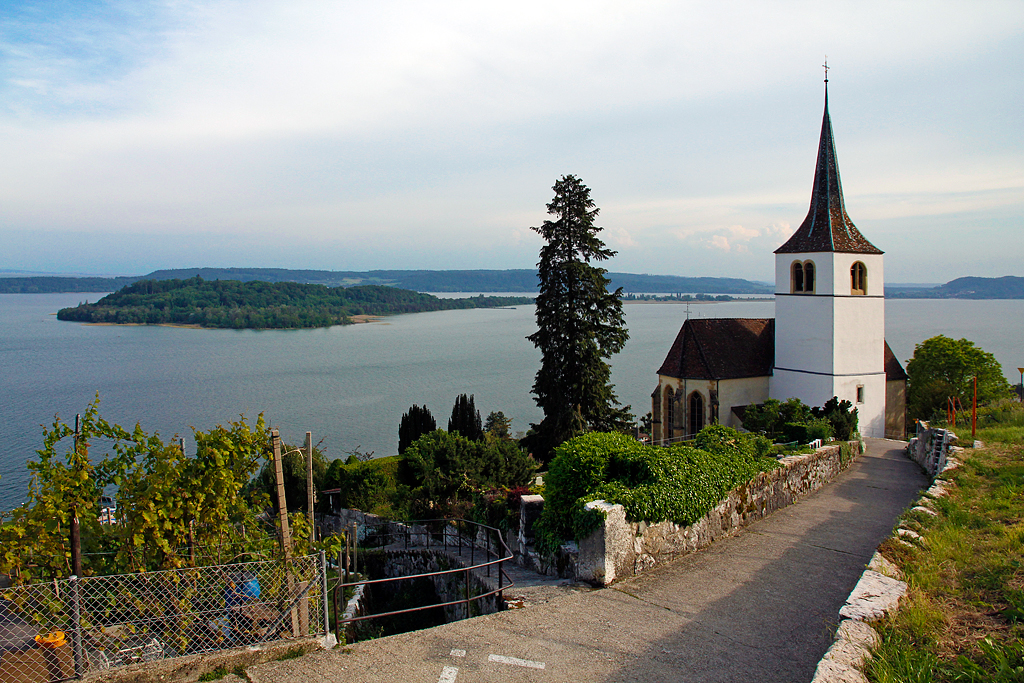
column 261, row 305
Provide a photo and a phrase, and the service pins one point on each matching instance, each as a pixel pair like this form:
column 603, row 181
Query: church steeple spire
column 827, row 226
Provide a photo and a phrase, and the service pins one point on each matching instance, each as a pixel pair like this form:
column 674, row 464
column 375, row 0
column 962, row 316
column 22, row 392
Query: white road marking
column 458, row 653
column 448, row 674
column 501, row 659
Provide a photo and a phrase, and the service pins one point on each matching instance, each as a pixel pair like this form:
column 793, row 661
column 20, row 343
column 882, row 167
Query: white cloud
column 421, row 124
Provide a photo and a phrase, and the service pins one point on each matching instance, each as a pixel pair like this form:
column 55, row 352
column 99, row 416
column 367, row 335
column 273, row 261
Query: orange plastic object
column 51, row 640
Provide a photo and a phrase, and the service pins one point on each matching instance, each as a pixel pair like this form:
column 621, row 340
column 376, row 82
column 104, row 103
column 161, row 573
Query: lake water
column 350, row 385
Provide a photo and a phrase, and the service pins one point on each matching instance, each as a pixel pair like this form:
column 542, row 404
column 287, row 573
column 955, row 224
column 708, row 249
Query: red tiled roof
column 722, row 348
column 827, row 226
column 893, row 368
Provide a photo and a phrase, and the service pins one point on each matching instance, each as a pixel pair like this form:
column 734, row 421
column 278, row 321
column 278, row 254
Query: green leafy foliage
column 443, row 471
column 680, row 483
column 580, row 324
column 841, row 416
column 164, row 499
column 498, row 426
column 368, row 485
column 293, row 464
column 942, row 368
column 465, row 418
column 260, row 305
column 416, row 422
column 792, row 420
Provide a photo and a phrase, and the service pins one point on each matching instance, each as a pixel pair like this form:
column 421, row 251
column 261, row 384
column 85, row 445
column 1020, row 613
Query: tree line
column 260, row 305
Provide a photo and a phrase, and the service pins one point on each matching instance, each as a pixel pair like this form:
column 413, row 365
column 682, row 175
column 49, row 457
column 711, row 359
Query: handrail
column 410, row 531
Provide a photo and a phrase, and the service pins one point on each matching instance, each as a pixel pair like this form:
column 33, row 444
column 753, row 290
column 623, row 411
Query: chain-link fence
column 63, row 629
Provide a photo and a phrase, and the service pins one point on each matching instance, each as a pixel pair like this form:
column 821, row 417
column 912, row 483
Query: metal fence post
column 323, row 592
column 76, row 626
column 467, row 594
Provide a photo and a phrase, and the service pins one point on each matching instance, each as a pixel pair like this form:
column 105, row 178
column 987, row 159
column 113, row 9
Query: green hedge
column 681, row 483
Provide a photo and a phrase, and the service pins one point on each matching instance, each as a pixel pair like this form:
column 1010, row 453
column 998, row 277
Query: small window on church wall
column 797, row 284
column 809, row 276
column 670, row 412
column 696, row 412
column 858, row 278
column 860, row 393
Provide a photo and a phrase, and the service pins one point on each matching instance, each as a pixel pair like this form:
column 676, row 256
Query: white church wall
column 739, row 392
column 807, row 387
column 871, row 412
column 860, row 335
column 803, row 333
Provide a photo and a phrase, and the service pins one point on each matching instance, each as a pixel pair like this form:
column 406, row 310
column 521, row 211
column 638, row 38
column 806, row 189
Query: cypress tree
column 579, row 323
column 415, row 423
column 465, row 419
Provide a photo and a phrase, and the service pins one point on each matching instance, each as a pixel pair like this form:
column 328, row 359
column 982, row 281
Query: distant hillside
column 261, row 305
column 1008, row 287
column 44, row 284
column 522, row 280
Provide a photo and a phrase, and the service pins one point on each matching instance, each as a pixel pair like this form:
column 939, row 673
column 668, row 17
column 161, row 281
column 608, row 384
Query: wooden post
column 192, row 542
column 339, row 589
column 974, row 411
column 309, row 486
column 76, row 533
column 286, row 536
column 282, row 503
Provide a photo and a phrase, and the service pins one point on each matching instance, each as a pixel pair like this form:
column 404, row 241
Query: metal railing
column 66, row 628
column 447, row 535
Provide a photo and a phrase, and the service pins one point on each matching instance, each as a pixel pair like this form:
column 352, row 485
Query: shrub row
column 680, row 483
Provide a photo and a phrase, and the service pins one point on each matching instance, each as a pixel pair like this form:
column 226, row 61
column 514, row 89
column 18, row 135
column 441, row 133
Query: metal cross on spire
column 826, row 68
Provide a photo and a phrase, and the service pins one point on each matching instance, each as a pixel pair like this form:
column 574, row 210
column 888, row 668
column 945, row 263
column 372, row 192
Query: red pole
column 974, row 410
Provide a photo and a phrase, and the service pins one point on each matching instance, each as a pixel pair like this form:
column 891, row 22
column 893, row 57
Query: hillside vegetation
column 1008, row 287
column 260, row 305
column 963, row 619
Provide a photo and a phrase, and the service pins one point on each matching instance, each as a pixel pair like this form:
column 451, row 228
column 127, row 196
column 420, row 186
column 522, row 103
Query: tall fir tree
column 415, row 423
column 465, row 419
column 579, row 324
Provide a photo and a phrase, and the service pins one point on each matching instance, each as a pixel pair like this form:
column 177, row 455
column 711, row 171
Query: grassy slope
column 964, row 617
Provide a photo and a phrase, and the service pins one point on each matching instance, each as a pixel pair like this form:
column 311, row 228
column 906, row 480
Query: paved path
column 761, row 606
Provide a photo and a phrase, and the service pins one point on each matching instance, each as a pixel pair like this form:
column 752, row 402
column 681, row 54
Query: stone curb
column 877, row 593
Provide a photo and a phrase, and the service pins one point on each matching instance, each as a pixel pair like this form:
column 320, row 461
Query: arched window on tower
column 809, row 276
column 669, row 412
column 797, row 277
column 858, row 278
column 696, row 410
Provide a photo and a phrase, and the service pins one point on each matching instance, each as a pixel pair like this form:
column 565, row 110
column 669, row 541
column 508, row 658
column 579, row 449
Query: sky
column 138, row 135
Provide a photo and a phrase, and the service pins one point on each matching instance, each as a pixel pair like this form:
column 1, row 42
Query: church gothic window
column 802, row 277
column 858, row 278
column 670, row 412
column 696, row 412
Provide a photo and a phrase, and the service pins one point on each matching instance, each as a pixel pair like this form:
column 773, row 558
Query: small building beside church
column 827, row 338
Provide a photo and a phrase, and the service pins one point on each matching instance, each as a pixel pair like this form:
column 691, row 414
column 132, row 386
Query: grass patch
column 220, row 672
column 964, row 616
column 293, row 653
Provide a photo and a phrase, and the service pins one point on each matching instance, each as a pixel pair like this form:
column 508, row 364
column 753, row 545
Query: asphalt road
column 760, row 606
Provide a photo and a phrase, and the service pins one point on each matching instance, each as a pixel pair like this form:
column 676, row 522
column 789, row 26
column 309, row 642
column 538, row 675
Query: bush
column 679, row 483
column 369, row 485
column 443, row 471
column 840, row 416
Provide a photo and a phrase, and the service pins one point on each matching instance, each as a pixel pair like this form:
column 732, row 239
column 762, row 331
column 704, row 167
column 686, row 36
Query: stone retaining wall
column 621, row 548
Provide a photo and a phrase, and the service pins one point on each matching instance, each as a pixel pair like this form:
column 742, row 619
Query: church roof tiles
column 722, row 348
column 827, row 226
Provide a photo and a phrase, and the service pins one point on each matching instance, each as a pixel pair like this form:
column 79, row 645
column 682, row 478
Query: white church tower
column 830, row 305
